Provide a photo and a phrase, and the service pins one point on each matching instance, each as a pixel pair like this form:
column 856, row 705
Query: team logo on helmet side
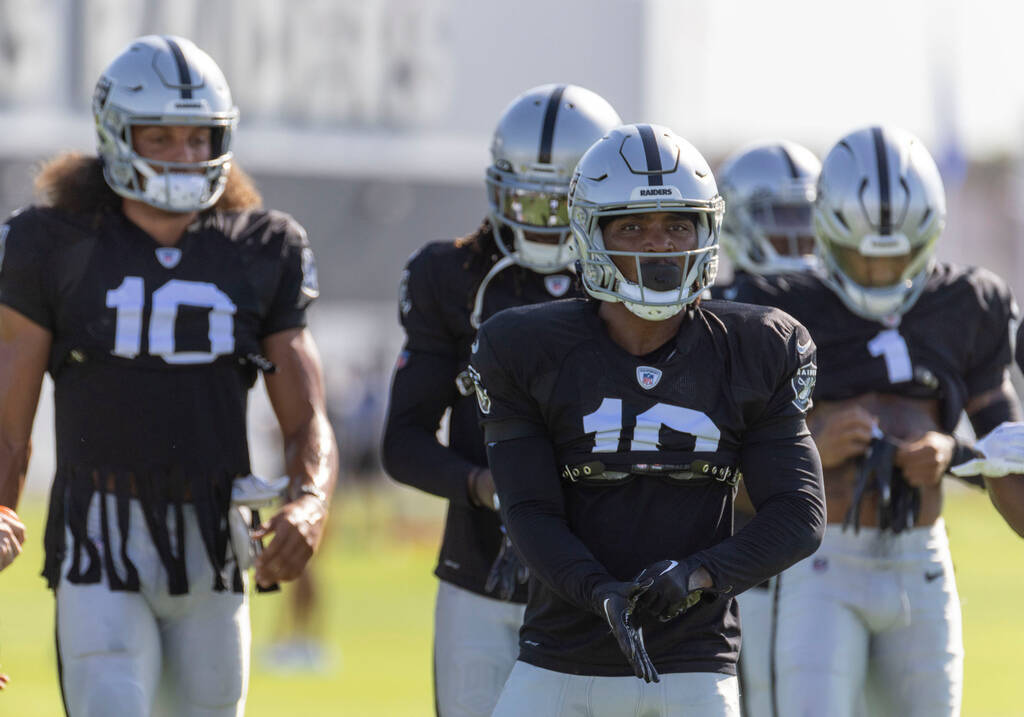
column 803, row 385
column 648, row 377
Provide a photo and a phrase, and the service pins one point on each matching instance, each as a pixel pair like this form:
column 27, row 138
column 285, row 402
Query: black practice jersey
column 732, row 390
column 153, row 352
column 437, row 296
column 953, row 344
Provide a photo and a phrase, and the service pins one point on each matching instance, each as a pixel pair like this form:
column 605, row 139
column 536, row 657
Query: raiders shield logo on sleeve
column 404, row 302
column 803, row 385
column 482, row 399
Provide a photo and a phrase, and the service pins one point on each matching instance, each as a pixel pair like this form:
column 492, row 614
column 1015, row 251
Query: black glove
column 616, row 601
column 667, row 593
column 506, row 570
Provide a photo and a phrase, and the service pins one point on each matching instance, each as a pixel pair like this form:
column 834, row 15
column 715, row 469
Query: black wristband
column 963, row 452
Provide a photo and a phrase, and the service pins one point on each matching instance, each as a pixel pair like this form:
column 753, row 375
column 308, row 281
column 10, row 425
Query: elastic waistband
column 877, row 543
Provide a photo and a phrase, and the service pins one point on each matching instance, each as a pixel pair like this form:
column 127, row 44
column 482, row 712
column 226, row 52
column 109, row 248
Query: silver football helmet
column 539, row 139
column 635, row 169
column 769, row 190
column 163, row 80
column 880, row 209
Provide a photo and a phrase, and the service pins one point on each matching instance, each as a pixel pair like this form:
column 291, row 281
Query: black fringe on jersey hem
column 158, row 492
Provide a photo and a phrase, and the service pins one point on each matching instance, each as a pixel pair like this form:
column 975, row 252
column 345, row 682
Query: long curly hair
column 73, row 182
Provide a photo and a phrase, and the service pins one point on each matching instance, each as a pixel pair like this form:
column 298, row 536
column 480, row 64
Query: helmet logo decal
column 547, row 133
column 557, row 284
column 648, row 377
column 168, row 256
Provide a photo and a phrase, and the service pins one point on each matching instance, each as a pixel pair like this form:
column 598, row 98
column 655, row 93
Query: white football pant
column 871, row 601
column 113, row 646
column 476, row 643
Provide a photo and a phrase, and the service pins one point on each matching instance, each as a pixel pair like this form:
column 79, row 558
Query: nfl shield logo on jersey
column 647, row 377
column 557, row 284
column 168, row 256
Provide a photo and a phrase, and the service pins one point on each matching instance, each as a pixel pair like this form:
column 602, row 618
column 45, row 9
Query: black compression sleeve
column 526, row 475
column 783, row 478
column 420, row 392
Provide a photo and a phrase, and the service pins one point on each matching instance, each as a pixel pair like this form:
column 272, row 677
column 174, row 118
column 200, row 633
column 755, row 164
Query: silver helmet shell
column 163, row 80
column 635, row 169
column 539, row 139
column 880, row 195
column 769, row 189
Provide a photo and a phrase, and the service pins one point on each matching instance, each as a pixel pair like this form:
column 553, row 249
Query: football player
column 154, row 289
column 769, row 189
column 905, row 345
column 520, row 255
column 616, row 429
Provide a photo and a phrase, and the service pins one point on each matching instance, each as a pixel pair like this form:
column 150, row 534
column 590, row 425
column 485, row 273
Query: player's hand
column 1002, row 453
column 615, row 601
column 507, row 570
column 4, row 679
column 672, row 588
column 842, row 434
column 12, row 536
column 298, row 529
column 925, row 460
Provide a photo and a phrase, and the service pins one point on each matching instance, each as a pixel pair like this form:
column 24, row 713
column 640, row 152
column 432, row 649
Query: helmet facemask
column 172, row 186
column 769, row 187
column 848, row 274
column 536, row 215
column 665, row 285
column 773, row 234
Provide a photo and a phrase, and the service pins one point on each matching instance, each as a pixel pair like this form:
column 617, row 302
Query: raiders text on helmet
column 539, row 139
column 637, row 169
column 164, row 80
column 769, row 190
column 880, row 198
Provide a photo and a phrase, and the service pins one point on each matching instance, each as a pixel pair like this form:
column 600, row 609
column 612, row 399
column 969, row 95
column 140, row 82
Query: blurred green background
column 376, row 586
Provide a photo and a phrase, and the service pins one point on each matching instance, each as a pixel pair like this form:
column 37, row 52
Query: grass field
column 378, row 597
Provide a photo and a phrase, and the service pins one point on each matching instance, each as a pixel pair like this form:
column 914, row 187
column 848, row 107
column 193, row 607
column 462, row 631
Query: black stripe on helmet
column 884, row 197
column 793, row 171
column 651, row 153
column 184, row 78
column 547, row 133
